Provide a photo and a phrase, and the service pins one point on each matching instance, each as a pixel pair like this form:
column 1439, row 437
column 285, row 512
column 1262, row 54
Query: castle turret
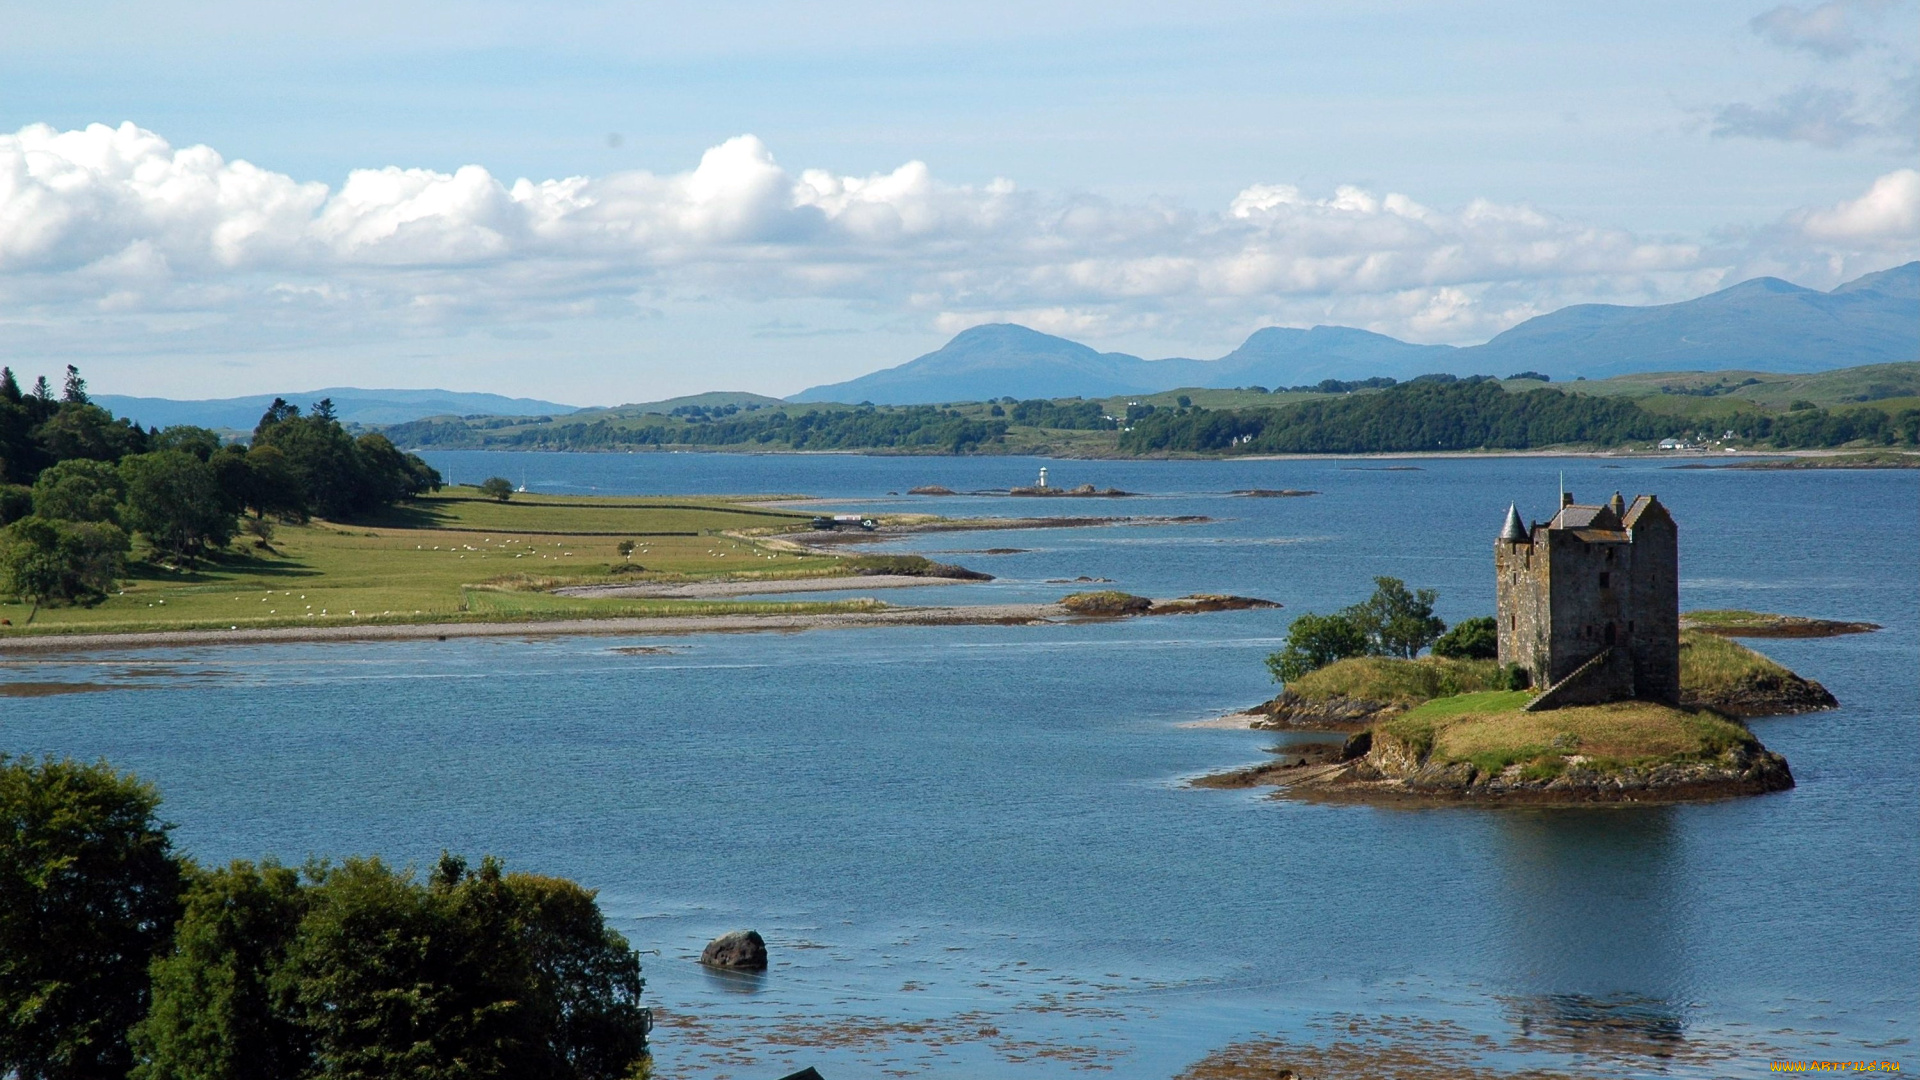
column 1513, row 531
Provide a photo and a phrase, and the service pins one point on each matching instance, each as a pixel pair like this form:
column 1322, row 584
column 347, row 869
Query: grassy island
column 1439, row 729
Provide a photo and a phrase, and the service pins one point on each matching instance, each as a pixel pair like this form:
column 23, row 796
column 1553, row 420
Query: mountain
column 996, row 360
column 1760, row 325
column 351, row 404
column 1287, row 356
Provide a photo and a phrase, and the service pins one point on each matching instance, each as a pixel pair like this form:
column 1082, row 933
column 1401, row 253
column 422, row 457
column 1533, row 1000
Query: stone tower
column 1589, row 603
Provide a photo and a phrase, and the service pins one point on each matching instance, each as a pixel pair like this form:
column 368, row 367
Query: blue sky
column 768, row 196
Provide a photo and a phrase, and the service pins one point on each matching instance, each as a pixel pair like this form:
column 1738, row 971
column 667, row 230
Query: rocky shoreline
column 1393, row 771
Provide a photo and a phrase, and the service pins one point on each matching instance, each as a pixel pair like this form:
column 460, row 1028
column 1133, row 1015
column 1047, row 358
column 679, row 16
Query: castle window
column 1606, row 581
column 1610, row 634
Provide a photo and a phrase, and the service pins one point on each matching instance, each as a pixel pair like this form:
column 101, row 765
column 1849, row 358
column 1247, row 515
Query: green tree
column 201, row 442
column 1477, row 638
column 625, row 548
column 220, row 1010
column 16, row 501
column 77, row 429
column 79, row 490
column 497, row 487
column 264, row 480
column 43, row 561
column 1397, row 621
column 89, row 891
column 1313, row 642
column 175, row 499
column 472, row 974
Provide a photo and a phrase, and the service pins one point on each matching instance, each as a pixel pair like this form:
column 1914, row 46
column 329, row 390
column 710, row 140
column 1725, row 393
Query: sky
column 595, row 203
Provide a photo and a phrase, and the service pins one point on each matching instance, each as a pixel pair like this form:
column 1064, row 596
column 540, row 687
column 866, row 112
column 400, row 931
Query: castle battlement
column 1594, row 580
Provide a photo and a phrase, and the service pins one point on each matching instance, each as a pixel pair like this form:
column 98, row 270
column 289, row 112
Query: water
column 971, row 849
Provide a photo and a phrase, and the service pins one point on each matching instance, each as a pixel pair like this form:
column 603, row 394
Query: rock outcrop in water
column 741, row 950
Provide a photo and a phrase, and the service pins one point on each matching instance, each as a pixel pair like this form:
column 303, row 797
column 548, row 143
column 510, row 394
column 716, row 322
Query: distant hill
column 1286, row 356
column 1760, row 325
column 351, row 404
column 713, row 399
column 1765, row 325
column 997, row 360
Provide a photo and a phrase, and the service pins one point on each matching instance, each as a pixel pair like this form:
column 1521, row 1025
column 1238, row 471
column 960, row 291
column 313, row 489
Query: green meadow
column 456, row 557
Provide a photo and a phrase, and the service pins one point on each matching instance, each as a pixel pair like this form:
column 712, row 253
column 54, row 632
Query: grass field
column 1491, row 731
column 1401, row 682
column 453, row 557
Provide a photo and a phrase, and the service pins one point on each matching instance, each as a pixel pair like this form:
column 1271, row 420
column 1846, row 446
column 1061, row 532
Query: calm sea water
column 971, row 848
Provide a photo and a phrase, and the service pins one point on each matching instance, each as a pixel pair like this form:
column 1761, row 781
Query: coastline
column 974, row 615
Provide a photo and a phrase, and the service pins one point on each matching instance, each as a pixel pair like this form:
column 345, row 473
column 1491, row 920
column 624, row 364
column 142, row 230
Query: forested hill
column 1430, row 413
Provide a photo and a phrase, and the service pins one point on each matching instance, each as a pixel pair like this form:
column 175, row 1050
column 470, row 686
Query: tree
column 497, row 487
column 474, row 973
column 16, row 502
column 175, row 499
column 79, row 490
column 1470, row 639
column 74, row 392
column 1396, row 621
column 88, row 894
column 43, row 561
column 77, row 429
column 220, row 1010
column 625, row 548
column 201, row 442
column 1313, row 642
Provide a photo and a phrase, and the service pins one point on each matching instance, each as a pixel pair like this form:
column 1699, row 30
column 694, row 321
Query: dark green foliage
column 201, row 442
column 1065, row 415
column 218, row 1012
column 175, row 499
column 365, row 972
column 79, row 430
column 89, row 891
column 498, row 488
column 1477, row 638
column 1313, row 642
column 16, row 502
column 45, row 561
column 336, row 475
column 79, row 490
column 1396, row 621
column 923, row 428
column 1426, row 414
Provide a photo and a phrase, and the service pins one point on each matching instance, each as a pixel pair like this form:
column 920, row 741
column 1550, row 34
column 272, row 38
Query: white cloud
column 1887, row 216
column 115, row 227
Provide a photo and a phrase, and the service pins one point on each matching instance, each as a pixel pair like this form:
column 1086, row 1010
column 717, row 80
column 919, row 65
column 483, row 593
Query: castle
column 1589, row 603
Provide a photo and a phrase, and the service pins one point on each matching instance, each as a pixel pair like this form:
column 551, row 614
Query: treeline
column 917, row 428
column 121, row 958
column 1473, row 414
column 75, row 482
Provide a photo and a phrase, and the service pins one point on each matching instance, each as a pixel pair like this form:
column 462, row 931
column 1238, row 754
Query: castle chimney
column 1618, row 505
column 1566, row 498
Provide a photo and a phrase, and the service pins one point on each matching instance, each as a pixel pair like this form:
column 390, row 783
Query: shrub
column 1470, row 639
column 498, row 488
column 1313, row 642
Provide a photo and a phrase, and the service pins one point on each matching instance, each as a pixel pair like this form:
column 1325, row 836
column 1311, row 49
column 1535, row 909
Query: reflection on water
column 1588, row 901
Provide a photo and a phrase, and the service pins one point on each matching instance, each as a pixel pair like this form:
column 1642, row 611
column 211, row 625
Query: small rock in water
column 742, row 950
